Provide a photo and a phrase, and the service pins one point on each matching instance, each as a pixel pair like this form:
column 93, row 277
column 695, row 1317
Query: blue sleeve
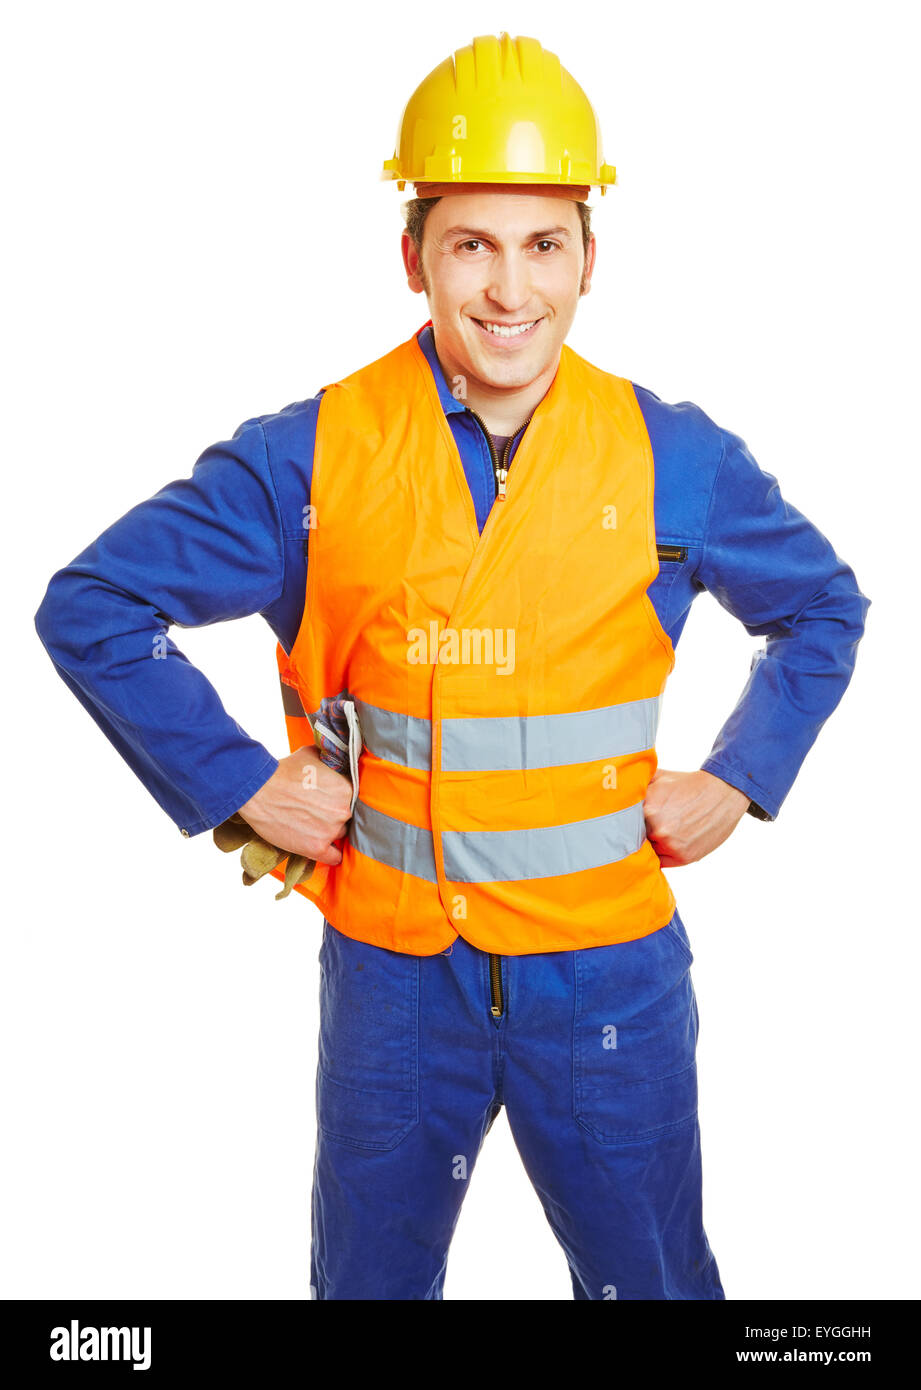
column 780, row 576
column 203, row 549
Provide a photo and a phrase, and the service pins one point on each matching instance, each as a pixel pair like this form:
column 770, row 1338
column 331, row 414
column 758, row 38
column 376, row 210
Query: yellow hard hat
column 500, row 111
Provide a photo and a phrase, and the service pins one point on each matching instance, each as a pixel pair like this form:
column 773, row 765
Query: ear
column 589, row 266
column 411, row 263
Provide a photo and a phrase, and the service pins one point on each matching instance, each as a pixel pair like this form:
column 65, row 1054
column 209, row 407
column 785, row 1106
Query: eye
column 544, row 241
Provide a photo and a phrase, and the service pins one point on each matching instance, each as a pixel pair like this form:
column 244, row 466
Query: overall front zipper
column 497, row 1005
column 500, row 470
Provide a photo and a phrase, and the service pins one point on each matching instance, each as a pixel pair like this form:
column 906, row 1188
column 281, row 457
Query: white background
column 197, row 234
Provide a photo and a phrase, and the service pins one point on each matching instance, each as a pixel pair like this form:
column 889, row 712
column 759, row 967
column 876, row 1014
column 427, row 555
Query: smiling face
column 503, row 273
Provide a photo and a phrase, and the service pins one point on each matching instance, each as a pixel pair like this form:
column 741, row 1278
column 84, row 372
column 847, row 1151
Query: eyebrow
column 491, row 236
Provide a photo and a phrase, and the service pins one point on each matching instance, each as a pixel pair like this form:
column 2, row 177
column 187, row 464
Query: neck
column 502, row 410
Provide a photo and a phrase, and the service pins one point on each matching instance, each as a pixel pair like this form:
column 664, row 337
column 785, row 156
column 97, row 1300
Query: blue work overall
column 592, row 1053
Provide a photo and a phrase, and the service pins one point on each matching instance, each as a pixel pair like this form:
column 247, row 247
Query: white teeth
column 502, row 330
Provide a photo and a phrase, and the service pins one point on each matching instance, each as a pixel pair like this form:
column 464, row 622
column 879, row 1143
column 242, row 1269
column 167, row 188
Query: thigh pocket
column 368, row 1073
column 677, row 929
column 635, row 1038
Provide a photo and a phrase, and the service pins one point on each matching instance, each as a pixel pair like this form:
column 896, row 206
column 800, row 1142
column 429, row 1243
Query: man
column 503, row 543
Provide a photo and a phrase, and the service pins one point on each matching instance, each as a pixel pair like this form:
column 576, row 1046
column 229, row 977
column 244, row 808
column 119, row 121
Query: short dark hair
column 416, row 210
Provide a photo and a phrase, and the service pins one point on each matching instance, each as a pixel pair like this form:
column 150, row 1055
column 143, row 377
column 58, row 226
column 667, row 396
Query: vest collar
column 426, row 340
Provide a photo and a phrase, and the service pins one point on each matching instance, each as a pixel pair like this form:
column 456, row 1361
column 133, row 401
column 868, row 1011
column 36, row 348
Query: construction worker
column 477, row 554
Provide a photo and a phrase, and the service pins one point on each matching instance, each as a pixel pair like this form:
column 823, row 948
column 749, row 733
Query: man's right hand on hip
column 303, row 807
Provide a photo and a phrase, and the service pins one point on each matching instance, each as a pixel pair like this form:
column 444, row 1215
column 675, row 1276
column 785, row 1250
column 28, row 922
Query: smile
column 508, row 332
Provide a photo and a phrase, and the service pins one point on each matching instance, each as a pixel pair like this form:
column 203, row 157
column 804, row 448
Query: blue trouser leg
column 600, row 1086
column 405, row 1095
column 594, row 1059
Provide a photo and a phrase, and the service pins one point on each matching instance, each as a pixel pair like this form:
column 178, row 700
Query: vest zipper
column 500, row 470
column 495, row 986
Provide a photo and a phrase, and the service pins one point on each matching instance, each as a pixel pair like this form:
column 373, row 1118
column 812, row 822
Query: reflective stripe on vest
column 497, row 745
column 499, row 856
column 499, row 800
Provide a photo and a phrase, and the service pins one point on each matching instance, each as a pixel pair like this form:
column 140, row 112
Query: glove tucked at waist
column 259, row 857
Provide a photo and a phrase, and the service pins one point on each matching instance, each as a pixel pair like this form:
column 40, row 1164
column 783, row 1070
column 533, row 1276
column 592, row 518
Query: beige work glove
column 259, row 857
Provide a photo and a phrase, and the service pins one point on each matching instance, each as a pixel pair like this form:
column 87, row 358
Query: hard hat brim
column 578, row 193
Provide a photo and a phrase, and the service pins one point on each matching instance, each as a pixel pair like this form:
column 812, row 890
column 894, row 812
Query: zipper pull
column 501, row 474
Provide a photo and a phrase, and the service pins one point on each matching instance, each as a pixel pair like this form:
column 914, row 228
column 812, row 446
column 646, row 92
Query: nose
column 510, row 285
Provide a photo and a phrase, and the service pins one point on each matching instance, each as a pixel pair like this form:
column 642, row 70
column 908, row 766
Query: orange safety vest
column 506, row 685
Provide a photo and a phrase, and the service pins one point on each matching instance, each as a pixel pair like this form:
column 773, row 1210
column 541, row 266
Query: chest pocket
column 671, row 558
